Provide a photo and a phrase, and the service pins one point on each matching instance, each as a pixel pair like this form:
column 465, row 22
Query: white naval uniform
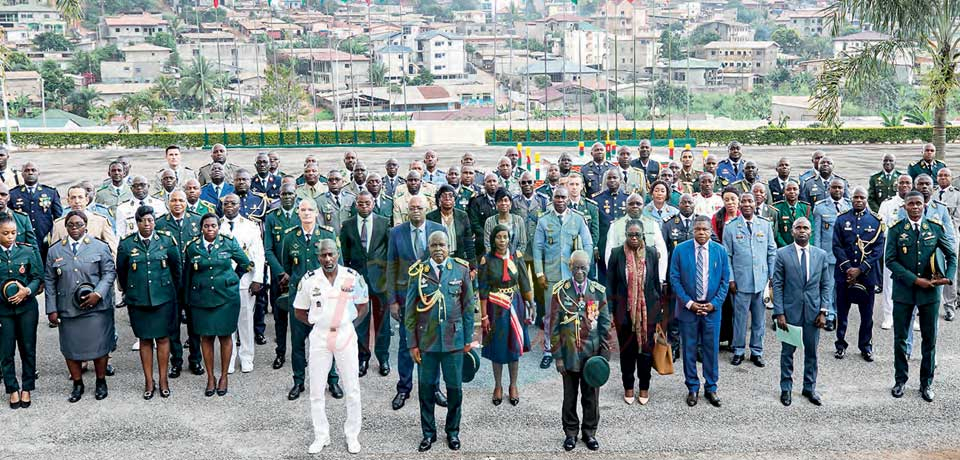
column 332, row 310
column 888, row 212
column 247, row 234
column 126, row 221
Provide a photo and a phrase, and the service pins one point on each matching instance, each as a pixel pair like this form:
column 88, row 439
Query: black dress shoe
column 453, row 442
column 278, row 362
column 949, row 315
column 897, row 390
column 692, row 399
column 210, row 391
column 813, row 397
column 569, row 443
column 335, row 390
column 546, row 362
column 109, row 371
column 221, row 392
column 101, row 392
column 295, row 391
column 77, row 392
column 440, row 399
column 927, row 394
column 712, row 398
column 757, row 361
column 260, row 339
column 399, row 400
column 362, row 368
column 148, row 394
column 831, row 325
column 384, row 369
column 174, row 372
column 867, row 356
column 196, row 369
column 426, row 443
column 737, row 360
column 785, row 398
column 840, row 353
column 591, row 442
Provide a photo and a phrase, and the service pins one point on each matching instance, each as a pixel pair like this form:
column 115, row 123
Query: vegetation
column 197, row 140
column 284, row 99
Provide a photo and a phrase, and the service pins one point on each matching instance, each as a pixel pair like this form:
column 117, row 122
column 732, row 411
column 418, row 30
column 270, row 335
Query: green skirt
column 152, row 322
column 217, row 321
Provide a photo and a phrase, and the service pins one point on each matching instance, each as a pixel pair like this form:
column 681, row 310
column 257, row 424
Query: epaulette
column 19, row 212
column 131, row 235
column 309, row 273
column 167, row 233
column 352, row 271
column 519, row 254
column 327, row 228
column 290, row 229
column 58, row 219
column 576, row 211
column 17, row 243
column 386, row 197
column 227, row 237
column 822, row 201
column 461, row 262
column 588, row 200
column 557, row 287
column 758, row 216
column 597, row 194
column 778, row 202
column 483, row 260
column 196, row 238
column 598, row 287
column 416, row 268
column 917, row 163
column 104, row 186
column 934, row 220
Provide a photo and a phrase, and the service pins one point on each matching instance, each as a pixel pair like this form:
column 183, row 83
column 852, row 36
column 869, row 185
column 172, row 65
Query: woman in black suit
column 634, row 290
column 457, row 223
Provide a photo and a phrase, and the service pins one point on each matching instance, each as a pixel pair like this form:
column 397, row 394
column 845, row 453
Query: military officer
column 890, row 214
column 298, row 257
column 710, row 166
column 824, row 217
column 650, row 168
column 382, row 204
column 580, row 326
column 857, row 247
column 191, row 187
column 565, row 163
column 247, row 234
column 403, row 194
column 687, row 175
column 928, row 164
column 560, row 231
column 611, row 205
column 114, row 190
column 464, row 193
column 750, row 177
column 659, row 209
column 933, row 210
column 311, row 188
column 166, row 184
column 275, row 225
column 505, row 177
column 778, row 184
column 949, row 196
column 97, row 226
column 764, row 208
column 218, row 187
column 265, row 182
column 8, row 176
column 530, row 205
column 588, row 208
column 552, row 180
column 732, row 168
column 883, row 184
column 183, row 227
column 652, row 236
column 676, row 231
column 438, row 317
column 789, row 210
column 481, row 207
column 25, row 233
column 335, row 204
column 356, row 182
column 39, row 202
column 126, row 211
column 595, row 172
column 816, row 187
column 218, row 154
column 19, row 315
column 514, row 155
column 180, row 172
column 815, row 160
column 432, row 174
column 911, row 255
column 252, row 204
column 391, row 180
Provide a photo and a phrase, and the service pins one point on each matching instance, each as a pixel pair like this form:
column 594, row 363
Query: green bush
column 760, row 136
column 197, row 140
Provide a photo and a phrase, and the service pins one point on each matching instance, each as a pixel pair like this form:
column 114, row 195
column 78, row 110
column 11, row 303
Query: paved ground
column 859, row 419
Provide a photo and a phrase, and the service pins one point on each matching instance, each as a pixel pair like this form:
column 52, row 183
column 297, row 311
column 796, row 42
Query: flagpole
column 633, row 23
column 373, row 125
column 202, row 60
column 496, row 109
column 403, row 61
column 526, row 65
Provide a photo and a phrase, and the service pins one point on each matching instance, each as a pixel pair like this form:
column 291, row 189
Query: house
column 629, row 54
column 731, row 31
column 382, row 100
column 442, row 53
column 131, row 29
column 795, row 108
column 112, row 92
column 584, row 44
column 16, row 35
column 227, row 55
column 142, row 63
column 813, row 66
column 808, row 22
column 691, row 72
column 23, row 83
column 36, row 19
column 329, row 66
column 622, row 17
column 755, row 57
column 55, row 119
column 852, row 44
column 394, row 58
column 557, row 70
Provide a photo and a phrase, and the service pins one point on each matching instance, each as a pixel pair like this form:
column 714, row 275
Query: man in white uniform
column 247, row 234
column 126, row 211
column 888, row 212
column 332, row 300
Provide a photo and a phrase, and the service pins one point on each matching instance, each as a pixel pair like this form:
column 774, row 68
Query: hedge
column 197, row 140
column 761, row 136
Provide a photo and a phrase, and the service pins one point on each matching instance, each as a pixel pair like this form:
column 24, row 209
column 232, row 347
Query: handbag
column 662, row 353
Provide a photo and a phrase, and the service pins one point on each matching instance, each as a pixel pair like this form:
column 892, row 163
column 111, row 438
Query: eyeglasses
column 634, row 234
column 75, row 225
column 526, row 182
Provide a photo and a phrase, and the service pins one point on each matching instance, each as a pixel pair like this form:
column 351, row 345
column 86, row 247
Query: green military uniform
column 212, row 284
column 786, row 215
column 298, row 257
column 149, row 276
column 18, row 323
column 464, row 194
column 882, row 186
column 546, row 190
column 912, row 254
column 438, row 317
column 718, row 184
column 275, row 225
column 25, row 232
column 186, row 230
column 743, row 186
column 921, row 167
column 591, row 213
column 201, row 208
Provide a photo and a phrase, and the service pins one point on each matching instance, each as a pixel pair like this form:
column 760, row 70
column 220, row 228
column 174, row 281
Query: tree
column 134, row 108
column 165, row 88
column 52, row 41
column 665, row 94
column 199, row 81
column 81, row 100
column 284, row 99
column 542, row 81
column 424, row 78
column 356, row 45
column 670, row 46
column 788, row 39
column 56, row 85
column 378, row 74
column 19, row 106
column 928, row 27
column 778, row 76
column 701, row 37
column 464, row 5
column 19, row 61
column 163, row 39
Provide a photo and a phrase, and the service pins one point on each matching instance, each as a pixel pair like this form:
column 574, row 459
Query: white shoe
column 353, row 446
column 318, row 446
column 916, row 325
column 231, row 370
column 135, row 346
column 246, row 369
column 887, row 324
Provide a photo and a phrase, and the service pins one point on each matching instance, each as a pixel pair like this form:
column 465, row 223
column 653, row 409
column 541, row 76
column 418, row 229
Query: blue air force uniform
column 593, row 173
column 42, row 205
column 269, row 186
column 752, row 249
column 825, row 214
column 857, row 243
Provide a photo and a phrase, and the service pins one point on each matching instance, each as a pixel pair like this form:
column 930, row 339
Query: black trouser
column 281, row 317
column 864, row 300
column 376, row 315
column 632, row 358
column 176, row 342
column 19, row 331
column 260, row 311
column 574, row 384
column 431, row 363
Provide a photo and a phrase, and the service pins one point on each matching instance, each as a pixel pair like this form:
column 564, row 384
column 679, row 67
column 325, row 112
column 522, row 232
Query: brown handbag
column 662, row 353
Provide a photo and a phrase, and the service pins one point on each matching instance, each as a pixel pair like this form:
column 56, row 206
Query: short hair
column 500, row 194
column 922, row 176
column 7, row 219
column 800, row 220
column 701, row 218
column 493, row 236
column 78, row 186
column 444, row 189
column 72, row 213
column 143, row 211
column 580, row 255
column 911, row 194
column 438, row 235
column 209, row 215
column 634, row 222
column 170, row 147
column 327, row 243
column 730, row 189
column 858, row 188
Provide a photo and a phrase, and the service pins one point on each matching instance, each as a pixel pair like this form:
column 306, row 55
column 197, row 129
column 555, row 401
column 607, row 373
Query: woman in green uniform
column 148, row 269
column 506, row 298
column 19, row 264
column 212, row 265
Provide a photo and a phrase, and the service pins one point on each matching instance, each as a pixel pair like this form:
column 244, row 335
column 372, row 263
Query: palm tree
column 378, row 74
column 132, row 110
column 80, row 100
column 19, row 106
column 72, row 10
column 929, row 27
column 199, row 82
column 165, row 87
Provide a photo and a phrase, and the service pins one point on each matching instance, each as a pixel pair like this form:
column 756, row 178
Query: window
column 439, row 55
column 439, row 67
column 437, row 43
column 117, row 30
column 136, row 29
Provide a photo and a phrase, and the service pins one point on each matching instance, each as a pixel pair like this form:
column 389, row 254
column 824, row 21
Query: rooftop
column 863, row 36
column 145, row 19
column 739, row 45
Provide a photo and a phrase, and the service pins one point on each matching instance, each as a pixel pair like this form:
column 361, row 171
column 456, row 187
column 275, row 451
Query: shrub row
column 197, row 140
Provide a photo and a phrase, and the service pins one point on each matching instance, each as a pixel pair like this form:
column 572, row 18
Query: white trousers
column 321, row 359
column 886, row 299
column 245, row 331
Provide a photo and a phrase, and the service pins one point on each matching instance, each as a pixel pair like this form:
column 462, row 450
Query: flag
column 216, row 3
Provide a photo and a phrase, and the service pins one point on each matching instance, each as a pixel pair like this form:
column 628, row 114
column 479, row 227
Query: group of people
column 595, row 258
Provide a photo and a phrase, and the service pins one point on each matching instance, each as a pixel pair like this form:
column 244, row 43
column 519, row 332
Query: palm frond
column 72, row 10
column 903, row 19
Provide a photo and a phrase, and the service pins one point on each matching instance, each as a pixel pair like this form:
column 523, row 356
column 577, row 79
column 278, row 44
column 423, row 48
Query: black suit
column 775, row 191
column 372, row 264
column 465, row 237
column 479, row 210
column 632, row 358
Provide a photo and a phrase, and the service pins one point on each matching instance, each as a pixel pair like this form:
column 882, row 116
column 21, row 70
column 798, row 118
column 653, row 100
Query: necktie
column 941, row 195
column 793, row 211
column 750, row 227
column 308, row 238
column 837, row 204
column 336, row 200
column 209, row 247
column 142, row 203
column 437, row 271
column 231, row 227
column 216, row 188
column 699, row 278
column 916, row 228
column 363, row 233
column 74, row 244
column 417, row 247
column 803, row 264
column 2, row 179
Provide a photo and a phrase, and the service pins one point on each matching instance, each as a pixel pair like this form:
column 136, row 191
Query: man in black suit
column 481, row 207
column 778, row 185
column 457, row 224
column 364, row 242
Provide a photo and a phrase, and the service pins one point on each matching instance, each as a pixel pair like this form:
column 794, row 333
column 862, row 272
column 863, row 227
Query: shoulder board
column 28, row 245
column 875, row 215
column 227, row 237
column 327, row 228
column 599, row 287
column 461, row 262
column 415, row 269
column 290, row 229
column 519, row 254
column 876, row 174
column 597, row 194
column 261, row 195
column 758, row 216
column 164, row 232
column 385, row 197
column 17, row 211
column 845, row 212
column 778, row 202
column 821, row 201
column 588, row 200
column 934, row 220
column 837, row 176
column 352, row 271
column 129, row 236
column 557, row 287
column 917, row 163
column 193, row 240
column 575, row 211
column 308, row 274
column 104, row 186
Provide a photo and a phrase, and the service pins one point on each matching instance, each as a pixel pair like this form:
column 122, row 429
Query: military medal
column 134, row 266
column 22, row 269
column 195, row 267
